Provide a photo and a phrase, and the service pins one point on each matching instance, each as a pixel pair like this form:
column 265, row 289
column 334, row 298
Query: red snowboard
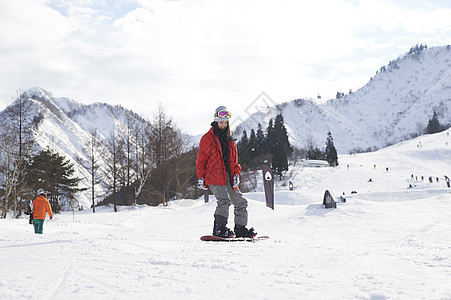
column 212, row 238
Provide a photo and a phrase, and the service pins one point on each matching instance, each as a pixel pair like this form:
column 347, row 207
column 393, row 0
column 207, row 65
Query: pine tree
column 244, row 142
column 281, row 135
column 331, row 152
column 314, row 152
column 433, row 125
column 54, row 174
column 278, row 144
column 279, row 159
column 270, row 138
column 253, row 151
column 243, row 149
column 260, row 135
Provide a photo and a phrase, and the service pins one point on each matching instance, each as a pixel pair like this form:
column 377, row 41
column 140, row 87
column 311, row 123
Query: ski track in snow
column 385, row 242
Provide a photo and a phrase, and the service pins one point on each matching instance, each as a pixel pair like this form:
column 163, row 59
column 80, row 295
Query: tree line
column 148, row 164
column 272, row 146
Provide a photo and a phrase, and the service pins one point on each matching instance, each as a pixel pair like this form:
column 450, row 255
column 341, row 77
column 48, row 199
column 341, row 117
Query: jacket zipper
column 220, row 152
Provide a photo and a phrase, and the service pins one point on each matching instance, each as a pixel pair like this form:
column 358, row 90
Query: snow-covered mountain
column 65, row 126
column 395, row 105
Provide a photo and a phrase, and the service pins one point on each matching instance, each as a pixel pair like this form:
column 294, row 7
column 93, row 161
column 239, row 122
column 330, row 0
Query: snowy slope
column 385, row 242
column 392, row 107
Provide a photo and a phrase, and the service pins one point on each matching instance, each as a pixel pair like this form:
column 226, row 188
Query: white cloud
column 195, row 55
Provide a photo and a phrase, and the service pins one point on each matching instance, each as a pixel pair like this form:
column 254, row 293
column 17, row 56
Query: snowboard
column 212, row 238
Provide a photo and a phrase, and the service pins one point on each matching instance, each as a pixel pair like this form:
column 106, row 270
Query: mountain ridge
column 65, row 126
column 393, row 106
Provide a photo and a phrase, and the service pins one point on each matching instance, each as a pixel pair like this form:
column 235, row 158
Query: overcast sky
column 194, row 55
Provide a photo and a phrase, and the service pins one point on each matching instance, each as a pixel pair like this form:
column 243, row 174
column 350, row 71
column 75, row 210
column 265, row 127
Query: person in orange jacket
column 41, row 207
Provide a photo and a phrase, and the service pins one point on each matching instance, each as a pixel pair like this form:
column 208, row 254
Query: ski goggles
column 224, row 114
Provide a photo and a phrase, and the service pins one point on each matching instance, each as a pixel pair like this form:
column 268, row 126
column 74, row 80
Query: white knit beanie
column 218, row 118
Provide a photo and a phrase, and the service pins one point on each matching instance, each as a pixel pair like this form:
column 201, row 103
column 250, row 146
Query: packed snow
column 390, row 240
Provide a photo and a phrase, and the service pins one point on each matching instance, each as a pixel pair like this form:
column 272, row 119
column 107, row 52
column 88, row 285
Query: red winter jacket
column 209, row 162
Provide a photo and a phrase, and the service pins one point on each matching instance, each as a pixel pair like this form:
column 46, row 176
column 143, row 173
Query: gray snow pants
column 226, row 195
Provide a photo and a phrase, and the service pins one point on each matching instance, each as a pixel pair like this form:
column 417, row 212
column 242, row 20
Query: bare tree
column 166, row 145
column 179, row 165
column 420, row 128
column 310, row 142
column 143, row 158
column 9, row 171
column 90, row 162
column 111, row 171
column 126, row 157
column 17, row 143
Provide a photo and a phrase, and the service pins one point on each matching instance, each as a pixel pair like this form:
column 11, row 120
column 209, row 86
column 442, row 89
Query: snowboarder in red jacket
column 218, row 169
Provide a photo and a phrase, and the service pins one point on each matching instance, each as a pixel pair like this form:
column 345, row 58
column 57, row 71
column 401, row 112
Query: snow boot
column 220, row 229
column 242, row 231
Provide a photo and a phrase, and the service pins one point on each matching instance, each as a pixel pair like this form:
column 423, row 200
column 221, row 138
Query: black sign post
column 268, row 181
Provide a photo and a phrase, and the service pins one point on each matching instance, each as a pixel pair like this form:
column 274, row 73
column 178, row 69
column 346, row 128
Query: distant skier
column 447, row 181
column 217, row 168
column 41, row 207
column 30, row 210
